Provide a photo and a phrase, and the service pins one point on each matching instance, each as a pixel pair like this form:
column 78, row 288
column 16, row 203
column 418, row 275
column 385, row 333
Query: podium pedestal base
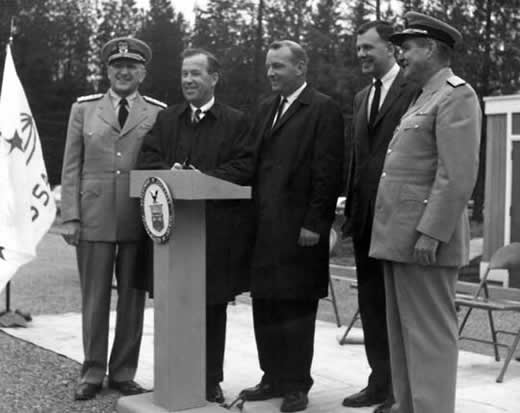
column 143, row 403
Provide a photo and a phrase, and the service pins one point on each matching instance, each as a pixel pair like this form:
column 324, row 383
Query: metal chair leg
column 334, row 303
column 493, row 335
column 343, row 339
column 509, row 356
column 464, row 320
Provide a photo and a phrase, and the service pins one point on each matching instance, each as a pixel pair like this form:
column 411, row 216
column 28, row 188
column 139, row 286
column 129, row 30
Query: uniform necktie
column 196, row 116
column 123, row 112
column 279, row 112
column 375, row 103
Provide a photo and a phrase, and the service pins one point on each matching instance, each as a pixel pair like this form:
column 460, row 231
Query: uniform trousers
column 372, row 308
column 215, row 342
column 284, row 332
column 423, row 336
column 96, row 263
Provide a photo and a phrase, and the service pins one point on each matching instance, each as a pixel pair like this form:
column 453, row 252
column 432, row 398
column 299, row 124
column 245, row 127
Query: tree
column 227, row 29
column 165, row 31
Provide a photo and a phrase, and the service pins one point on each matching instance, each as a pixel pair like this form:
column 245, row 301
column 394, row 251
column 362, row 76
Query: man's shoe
column 126, row 388
column 262, row 391
column 214, row 394
column 385, row 407
column 86, row 391
column 364, row 398
column 295, row 401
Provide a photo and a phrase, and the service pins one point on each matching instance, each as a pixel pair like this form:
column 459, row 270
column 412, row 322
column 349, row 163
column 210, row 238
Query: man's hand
column 71, row 232
column 425, row 251
column 308, row 238
column 176, row 167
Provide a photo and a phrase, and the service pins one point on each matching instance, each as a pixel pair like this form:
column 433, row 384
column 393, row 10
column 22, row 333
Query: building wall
column 494, row 204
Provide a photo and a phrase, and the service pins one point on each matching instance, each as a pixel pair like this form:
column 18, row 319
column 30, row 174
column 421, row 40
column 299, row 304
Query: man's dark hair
column 213, row 64
column 383, row 29
column 298, row 53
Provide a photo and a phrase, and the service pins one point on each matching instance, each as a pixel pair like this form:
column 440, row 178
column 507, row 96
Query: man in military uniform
column 420, row 225
column 104, row 136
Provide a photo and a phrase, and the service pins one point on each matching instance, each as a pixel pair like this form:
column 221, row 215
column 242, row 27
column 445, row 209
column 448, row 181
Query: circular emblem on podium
column 157, row 209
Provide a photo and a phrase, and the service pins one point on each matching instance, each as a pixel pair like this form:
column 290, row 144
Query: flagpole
column 8, row 286
column 7, row 317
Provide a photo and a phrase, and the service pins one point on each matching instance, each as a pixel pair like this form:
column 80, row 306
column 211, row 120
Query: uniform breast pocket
column 146, row 126
column 420, row 122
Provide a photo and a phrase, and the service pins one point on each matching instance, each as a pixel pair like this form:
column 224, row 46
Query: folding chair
column 507, row 257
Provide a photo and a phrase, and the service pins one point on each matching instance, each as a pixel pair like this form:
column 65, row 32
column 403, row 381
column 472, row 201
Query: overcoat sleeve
column 154, row 150
column 72, row 166
column 327, row 168
column 240, row 168
column 457, row 131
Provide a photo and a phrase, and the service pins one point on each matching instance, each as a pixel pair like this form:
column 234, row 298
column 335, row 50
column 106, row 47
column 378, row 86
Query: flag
column 27, row 208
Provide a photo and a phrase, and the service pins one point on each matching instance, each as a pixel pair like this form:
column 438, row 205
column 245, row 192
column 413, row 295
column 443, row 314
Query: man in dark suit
column 421, row 226
column 298, row 179
column 101, row 220
column 377, row 111
column 207, row 135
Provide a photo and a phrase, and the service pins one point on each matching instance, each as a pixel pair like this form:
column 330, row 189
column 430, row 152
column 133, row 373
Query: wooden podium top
column 190, row 185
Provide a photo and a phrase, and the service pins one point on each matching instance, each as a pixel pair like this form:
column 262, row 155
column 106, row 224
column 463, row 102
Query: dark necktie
column 375, row 103
column 196, row 116
column 279, row 112
column 123, row 112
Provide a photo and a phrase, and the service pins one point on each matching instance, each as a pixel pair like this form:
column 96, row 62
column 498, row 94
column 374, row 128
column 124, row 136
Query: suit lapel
column 361, row 122
column 266, row 122
column 138, row 112
column 363, row 111
column 106, row 112
column 394, row 92
column 303, row 99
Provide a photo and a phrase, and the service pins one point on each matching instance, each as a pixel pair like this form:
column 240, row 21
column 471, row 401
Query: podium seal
column 157, row 210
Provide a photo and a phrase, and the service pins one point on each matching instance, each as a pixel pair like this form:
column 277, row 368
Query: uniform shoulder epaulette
column 155, row 102
column 456, row 81
column 89, row 98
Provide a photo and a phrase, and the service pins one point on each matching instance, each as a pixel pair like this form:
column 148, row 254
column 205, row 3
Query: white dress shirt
column 204, row 108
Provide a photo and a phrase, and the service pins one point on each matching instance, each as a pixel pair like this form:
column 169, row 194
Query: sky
column 184, row 6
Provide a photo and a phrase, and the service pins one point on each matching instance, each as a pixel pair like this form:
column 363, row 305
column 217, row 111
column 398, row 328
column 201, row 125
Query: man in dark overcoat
column 207, row 135
column 377, row 111
column 298, row 179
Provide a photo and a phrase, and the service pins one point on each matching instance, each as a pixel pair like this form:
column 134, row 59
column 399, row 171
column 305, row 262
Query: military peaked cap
column 126, row 48
column 421, row 25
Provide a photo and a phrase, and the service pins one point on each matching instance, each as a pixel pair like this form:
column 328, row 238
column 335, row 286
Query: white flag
column 27, row 208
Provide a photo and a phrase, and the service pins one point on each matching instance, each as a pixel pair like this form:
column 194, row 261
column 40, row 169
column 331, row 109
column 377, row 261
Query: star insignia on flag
column 15, row 142
column 2, row 253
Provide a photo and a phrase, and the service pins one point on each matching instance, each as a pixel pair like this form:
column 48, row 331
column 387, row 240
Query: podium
column 180, row 295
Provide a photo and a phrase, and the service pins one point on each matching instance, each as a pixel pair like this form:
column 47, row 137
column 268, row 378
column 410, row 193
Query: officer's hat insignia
column 122, row 47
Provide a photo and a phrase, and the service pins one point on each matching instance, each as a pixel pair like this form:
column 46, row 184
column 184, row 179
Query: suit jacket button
column 425, row 201
column 118, row 154
column 383, row 174
column 118, row 172
column 389, row 151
